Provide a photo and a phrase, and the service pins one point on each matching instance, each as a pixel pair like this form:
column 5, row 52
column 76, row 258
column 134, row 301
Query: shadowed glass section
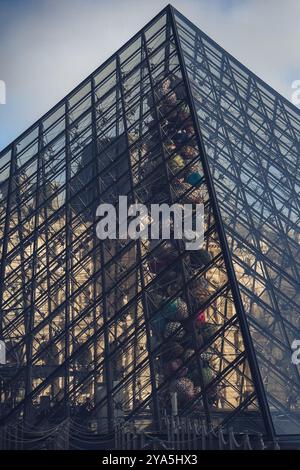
column 251, row 138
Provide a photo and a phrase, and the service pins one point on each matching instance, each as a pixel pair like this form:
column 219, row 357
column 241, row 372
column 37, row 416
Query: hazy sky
column 48, row 46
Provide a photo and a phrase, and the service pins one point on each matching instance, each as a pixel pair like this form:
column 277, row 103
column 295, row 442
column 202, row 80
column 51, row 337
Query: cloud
column 48, row 47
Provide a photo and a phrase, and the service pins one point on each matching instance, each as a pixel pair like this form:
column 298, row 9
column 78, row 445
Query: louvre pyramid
column 121, row 329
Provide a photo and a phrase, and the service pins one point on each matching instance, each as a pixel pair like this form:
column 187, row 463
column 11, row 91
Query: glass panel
column 80, row 94
column 27, row 140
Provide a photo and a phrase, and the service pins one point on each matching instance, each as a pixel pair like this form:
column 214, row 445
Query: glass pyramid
column 135, row 330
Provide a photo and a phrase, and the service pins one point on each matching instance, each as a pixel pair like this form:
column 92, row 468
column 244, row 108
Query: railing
column 178, row 434
column 189, row 434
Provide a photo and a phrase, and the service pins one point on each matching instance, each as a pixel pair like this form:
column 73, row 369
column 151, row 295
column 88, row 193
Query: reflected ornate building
column 117, row 329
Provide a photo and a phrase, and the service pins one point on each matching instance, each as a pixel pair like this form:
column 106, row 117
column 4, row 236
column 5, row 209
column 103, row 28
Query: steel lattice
column 108, row 331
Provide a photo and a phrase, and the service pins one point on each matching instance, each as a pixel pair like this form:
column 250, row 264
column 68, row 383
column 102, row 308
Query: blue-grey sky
column 48, row 46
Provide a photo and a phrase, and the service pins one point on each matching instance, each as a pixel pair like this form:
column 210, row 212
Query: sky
column 48, row 46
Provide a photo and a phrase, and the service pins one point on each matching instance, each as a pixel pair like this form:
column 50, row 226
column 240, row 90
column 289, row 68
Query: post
column 102, row 412
column 174, row 403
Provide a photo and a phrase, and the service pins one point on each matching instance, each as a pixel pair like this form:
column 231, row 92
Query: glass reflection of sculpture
column 173, row 323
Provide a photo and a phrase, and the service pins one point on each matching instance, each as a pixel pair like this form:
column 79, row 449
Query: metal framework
column 105, row 331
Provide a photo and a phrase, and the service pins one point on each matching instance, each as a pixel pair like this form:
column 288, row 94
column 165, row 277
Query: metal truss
column 100, row 332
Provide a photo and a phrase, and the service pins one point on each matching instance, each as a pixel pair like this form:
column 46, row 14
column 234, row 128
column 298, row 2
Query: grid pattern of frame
column 118, row 329
column 251, row 137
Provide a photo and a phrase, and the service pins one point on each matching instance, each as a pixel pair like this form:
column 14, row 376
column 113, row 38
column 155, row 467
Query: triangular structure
column 121, row 330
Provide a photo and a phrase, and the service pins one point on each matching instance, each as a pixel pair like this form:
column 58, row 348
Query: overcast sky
column 48, row 46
